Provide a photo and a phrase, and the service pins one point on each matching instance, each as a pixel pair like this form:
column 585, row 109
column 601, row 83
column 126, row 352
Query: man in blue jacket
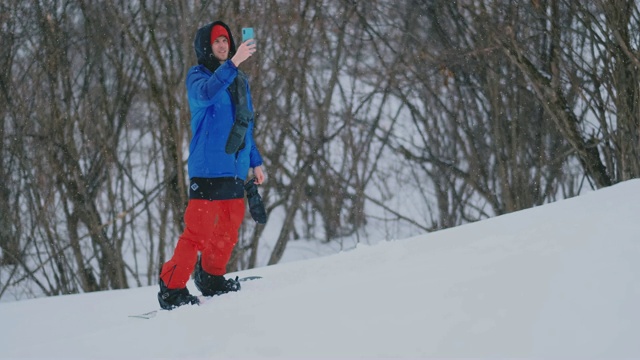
column 222, row 151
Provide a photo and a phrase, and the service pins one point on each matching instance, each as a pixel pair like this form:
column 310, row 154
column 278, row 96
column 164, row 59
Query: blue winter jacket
column 213, row 114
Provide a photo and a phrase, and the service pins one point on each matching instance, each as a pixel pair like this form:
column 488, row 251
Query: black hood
column 202, row 45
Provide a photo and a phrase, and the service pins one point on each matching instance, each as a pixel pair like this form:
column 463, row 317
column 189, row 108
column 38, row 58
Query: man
column 221, row 152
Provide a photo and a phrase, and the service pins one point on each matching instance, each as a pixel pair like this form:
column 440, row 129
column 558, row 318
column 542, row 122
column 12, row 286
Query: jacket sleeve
column 202, row 87
column 255, row 159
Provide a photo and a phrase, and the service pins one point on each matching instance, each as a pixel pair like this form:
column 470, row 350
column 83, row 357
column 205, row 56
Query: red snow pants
column 211, row 227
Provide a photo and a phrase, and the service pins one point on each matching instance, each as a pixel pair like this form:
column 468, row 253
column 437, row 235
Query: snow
column 560, row 280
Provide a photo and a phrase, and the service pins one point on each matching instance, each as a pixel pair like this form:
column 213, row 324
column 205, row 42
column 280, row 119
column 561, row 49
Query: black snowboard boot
column 211, row 285
column 172, row 298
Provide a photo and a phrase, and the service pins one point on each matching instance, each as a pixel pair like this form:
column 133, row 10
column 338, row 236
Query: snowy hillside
column 561, row 280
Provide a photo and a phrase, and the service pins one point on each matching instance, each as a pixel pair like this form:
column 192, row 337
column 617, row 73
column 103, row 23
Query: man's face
column 220, row 48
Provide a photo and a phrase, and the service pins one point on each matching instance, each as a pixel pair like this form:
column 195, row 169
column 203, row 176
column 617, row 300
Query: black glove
column 244, row 116
column 235, row 141
column 256, row 207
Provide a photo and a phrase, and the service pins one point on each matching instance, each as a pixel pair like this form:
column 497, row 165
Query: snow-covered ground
column 561, row 280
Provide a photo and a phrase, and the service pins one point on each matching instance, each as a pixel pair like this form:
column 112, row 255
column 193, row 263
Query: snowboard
column 203, row 300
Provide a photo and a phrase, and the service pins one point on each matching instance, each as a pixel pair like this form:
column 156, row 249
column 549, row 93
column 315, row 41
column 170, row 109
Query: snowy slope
column 560, row 280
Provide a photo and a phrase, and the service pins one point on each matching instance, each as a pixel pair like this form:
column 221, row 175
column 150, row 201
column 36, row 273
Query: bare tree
column 9, row 106
column 465, row 110
column 591, row 77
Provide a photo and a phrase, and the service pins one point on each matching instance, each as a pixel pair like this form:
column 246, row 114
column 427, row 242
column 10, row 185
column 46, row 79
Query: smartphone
column 247, row 33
